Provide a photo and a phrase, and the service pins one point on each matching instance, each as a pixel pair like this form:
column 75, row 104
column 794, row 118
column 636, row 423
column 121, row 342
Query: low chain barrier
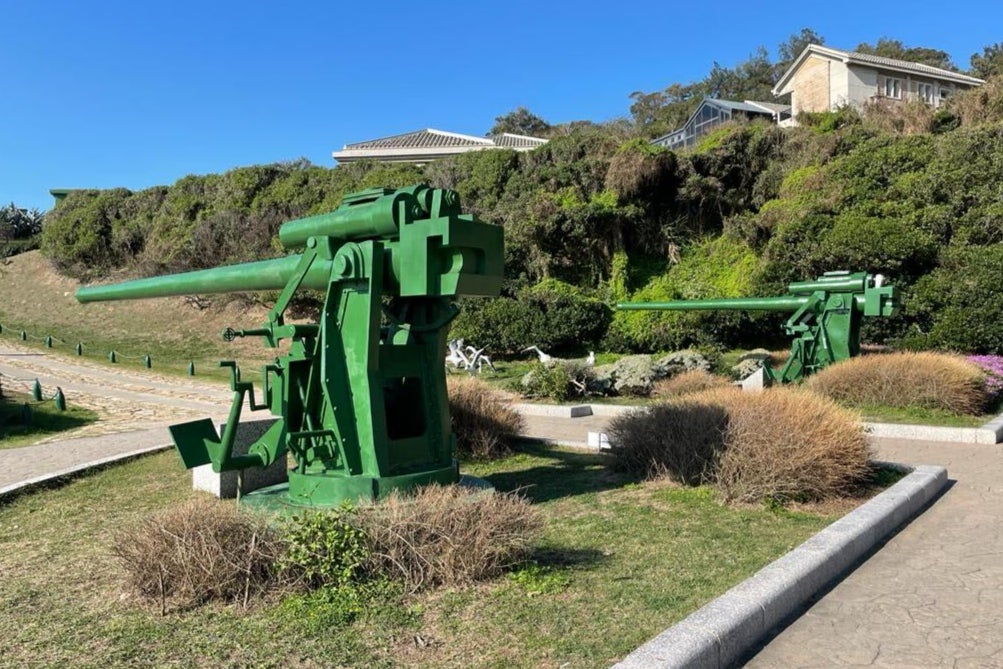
column 113, row 356
column 34, row 387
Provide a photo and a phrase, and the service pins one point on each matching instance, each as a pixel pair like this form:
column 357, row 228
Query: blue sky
column 99, row 94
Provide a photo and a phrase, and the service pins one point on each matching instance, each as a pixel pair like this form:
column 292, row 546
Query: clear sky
column 106, row 93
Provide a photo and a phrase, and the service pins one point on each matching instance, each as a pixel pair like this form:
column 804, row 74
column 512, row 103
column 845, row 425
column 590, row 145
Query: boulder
column 679, row 362
column 633, row 375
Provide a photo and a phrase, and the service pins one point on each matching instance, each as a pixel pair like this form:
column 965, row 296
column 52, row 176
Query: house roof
column 750, row 106
column 854, row 58
column 429, row 144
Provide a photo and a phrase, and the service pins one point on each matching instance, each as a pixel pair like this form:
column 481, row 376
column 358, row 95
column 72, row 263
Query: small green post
column 48, row 341
column 24, row 336
column 60, row 399
column 26, row 415
column 147, row 361
column 36, row 391
column 79, row 348
column 111, row 357
column 1, row 329
column 191, row 368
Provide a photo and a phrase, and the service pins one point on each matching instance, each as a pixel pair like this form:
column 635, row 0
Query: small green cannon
column 825, row 321
column 360, row 395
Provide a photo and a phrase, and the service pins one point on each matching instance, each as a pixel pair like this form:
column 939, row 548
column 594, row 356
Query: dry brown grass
column 200, row 551
column 788, row 444
column 691, row 381
column 447, row 535
column 782, row 444
column 901, row 118
column 681, row 440
column 924, row 379
column 483, row 419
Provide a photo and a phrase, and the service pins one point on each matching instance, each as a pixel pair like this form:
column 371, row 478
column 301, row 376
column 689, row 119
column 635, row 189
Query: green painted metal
column 826, row 316
column 361, row 394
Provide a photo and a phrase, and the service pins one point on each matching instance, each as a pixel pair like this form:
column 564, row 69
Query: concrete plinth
column 224, row 485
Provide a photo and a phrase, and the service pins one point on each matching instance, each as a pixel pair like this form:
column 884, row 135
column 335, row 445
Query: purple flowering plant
column 992, row 365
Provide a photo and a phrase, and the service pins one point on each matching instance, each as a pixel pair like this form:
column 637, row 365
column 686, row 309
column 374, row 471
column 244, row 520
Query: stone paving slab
column 931, row 597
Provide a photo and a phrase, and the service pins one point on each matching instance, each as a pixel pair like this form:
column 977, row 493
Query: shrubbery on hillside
column 609, row 214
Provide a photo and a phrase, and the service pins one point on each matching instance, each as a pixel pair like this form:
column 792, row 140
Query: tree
column 792, row 47
column 520, row 121
column 893, row 48
column 989, row 63
column 18, row 223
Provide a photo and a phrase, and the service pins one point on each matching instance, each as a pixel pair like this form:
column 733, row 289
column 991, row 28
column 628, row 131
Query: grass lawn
column 619, row 561
column 46, row 420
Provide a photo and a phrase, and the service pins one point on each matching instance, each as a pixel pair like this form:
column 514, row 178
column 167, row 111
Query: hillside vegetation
column 598, row 215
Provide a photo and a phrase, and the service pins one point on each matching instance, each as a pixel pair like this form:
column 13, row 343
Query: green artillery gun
column 361, row 394
column 825, row 321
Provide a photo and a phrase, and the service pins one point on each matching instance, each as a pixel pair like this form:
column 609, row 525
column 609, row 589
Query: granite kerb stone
column 727, row 628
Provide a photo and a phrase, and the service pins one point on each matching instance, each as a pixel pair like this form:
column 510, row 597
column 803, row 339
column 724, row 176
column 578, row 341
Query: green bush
column 552, row 315
column 719, row 267
column 79, row 235
column 324, row 548
column 959, row 306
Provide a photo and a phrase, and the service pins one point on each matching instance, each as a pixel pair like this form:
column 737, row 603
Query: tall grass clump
column 789, row 445
column 690, row 381
column 447, row 535
column 908, row 379
column 197, row 552
column 779, row 445
column 681, row 440
column 483, row 419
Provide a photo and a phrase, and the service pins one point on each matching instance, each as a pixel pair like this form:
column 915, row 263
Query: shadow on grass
column 11, row 422
column 566, row 474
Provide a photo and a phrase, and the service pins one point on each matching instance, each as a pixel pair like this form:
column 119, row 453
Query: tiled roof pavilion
column 422, row 146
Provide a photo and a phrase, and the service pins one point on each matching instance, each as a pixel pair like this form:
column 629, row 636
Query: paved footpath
column 135, row 407
column 931, row 597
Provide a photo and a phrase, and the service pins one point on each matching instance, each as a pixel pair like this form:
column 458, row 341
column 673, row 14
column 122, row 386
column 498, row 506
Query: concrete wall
column 812, row 85
column 862, row 85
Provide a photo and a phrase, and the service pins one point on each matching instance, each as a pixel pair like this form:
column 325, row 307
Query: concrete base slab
column 224, row 484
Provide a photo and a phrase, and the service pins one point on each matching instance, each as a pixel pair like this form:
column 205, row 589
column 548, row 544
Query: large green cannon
column 825, row 322
column 360, row 395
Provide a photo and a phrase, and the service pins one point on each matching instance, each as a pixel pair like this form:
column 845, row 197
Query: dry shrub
column 980, row 105
column 483, row 419
column 780, row 444
column 909, row 379
column 447, row 535
column 681, row 440
column 913, row 117
column 691, row 381
column 787, row 444
column 200, row 551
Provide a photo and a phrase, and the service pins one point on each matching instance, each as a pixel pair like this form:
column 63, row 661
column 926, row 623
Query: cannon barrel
column 785, row 303
column 377, row 213
column 260, row 275
column 372, row 214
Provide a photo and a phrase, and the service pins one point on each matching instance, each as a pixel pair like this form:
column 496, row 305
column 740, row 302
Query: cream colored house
column 823, row 79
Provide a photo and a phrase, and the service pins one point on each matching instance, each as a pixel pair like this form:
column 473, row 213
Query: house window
column 892, row 88
column 925, row 93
